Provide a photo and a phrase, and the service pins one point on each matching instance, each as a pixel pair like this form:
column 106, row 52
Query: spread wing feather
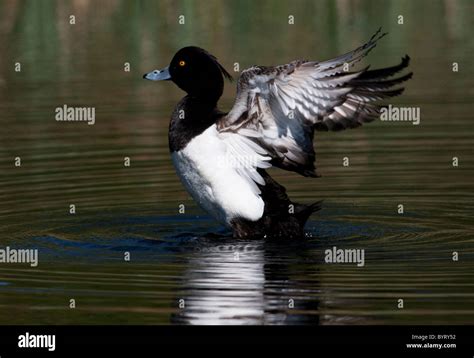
column 281, row 107
column 244, row 156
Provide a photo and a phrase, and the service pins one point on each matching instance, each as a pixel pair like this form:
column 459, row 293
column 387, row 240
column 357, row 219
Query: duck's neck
column 192, row 116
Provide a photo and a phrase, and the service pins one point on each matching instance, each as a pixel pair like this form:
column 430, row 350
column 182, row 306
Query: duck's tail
column 303, row 211
column 282, row 218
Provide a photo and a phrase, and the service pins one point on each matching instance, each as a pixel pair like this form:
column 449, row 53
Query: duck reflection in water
column 241, row 282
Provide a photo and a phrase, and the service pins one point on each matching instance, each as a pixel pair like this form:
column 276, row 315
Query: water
column 188, row 256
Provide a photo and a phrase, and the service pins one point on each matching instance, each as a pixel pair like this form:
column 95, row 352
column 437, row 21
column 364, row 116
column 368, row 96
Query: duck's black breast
column 190, row 118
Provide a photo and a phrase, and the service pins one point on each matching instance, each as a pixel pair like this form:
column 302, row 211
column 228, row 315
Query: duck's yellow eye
column 182, row 63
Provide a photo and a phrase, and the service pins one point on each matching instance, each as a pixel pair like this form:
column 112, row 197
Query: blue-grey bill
column 158, row 75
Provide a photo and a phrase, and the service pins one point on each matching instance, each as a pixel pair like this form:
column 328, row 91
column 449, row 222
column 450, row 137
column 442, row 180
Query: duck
column 222, row 158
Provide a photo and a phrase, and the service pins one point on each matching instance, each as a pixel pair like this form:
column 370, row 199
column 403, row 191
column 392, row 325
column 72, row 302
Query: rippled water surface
column 186, row 258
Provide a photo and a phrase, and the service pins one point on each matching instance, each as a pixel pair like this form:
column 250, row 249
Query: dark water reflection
column 221, row 280
column 188, row 256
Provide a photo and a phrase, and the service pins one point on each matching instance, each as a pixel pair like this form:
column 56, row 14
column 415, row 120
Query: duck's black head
column 195, row 71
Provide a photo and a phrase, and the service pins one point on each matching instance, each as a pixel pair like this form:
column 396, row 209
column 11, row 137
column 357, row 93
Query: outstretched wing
column 280, row 107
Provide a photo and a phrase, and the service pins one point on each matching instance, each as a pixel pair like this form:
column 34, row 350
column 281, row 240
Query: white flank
column 219, row 180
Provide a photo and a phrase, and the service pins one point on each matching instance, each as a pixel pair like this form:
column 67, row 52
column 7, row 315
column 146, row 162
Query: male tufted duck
column 222, row 158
